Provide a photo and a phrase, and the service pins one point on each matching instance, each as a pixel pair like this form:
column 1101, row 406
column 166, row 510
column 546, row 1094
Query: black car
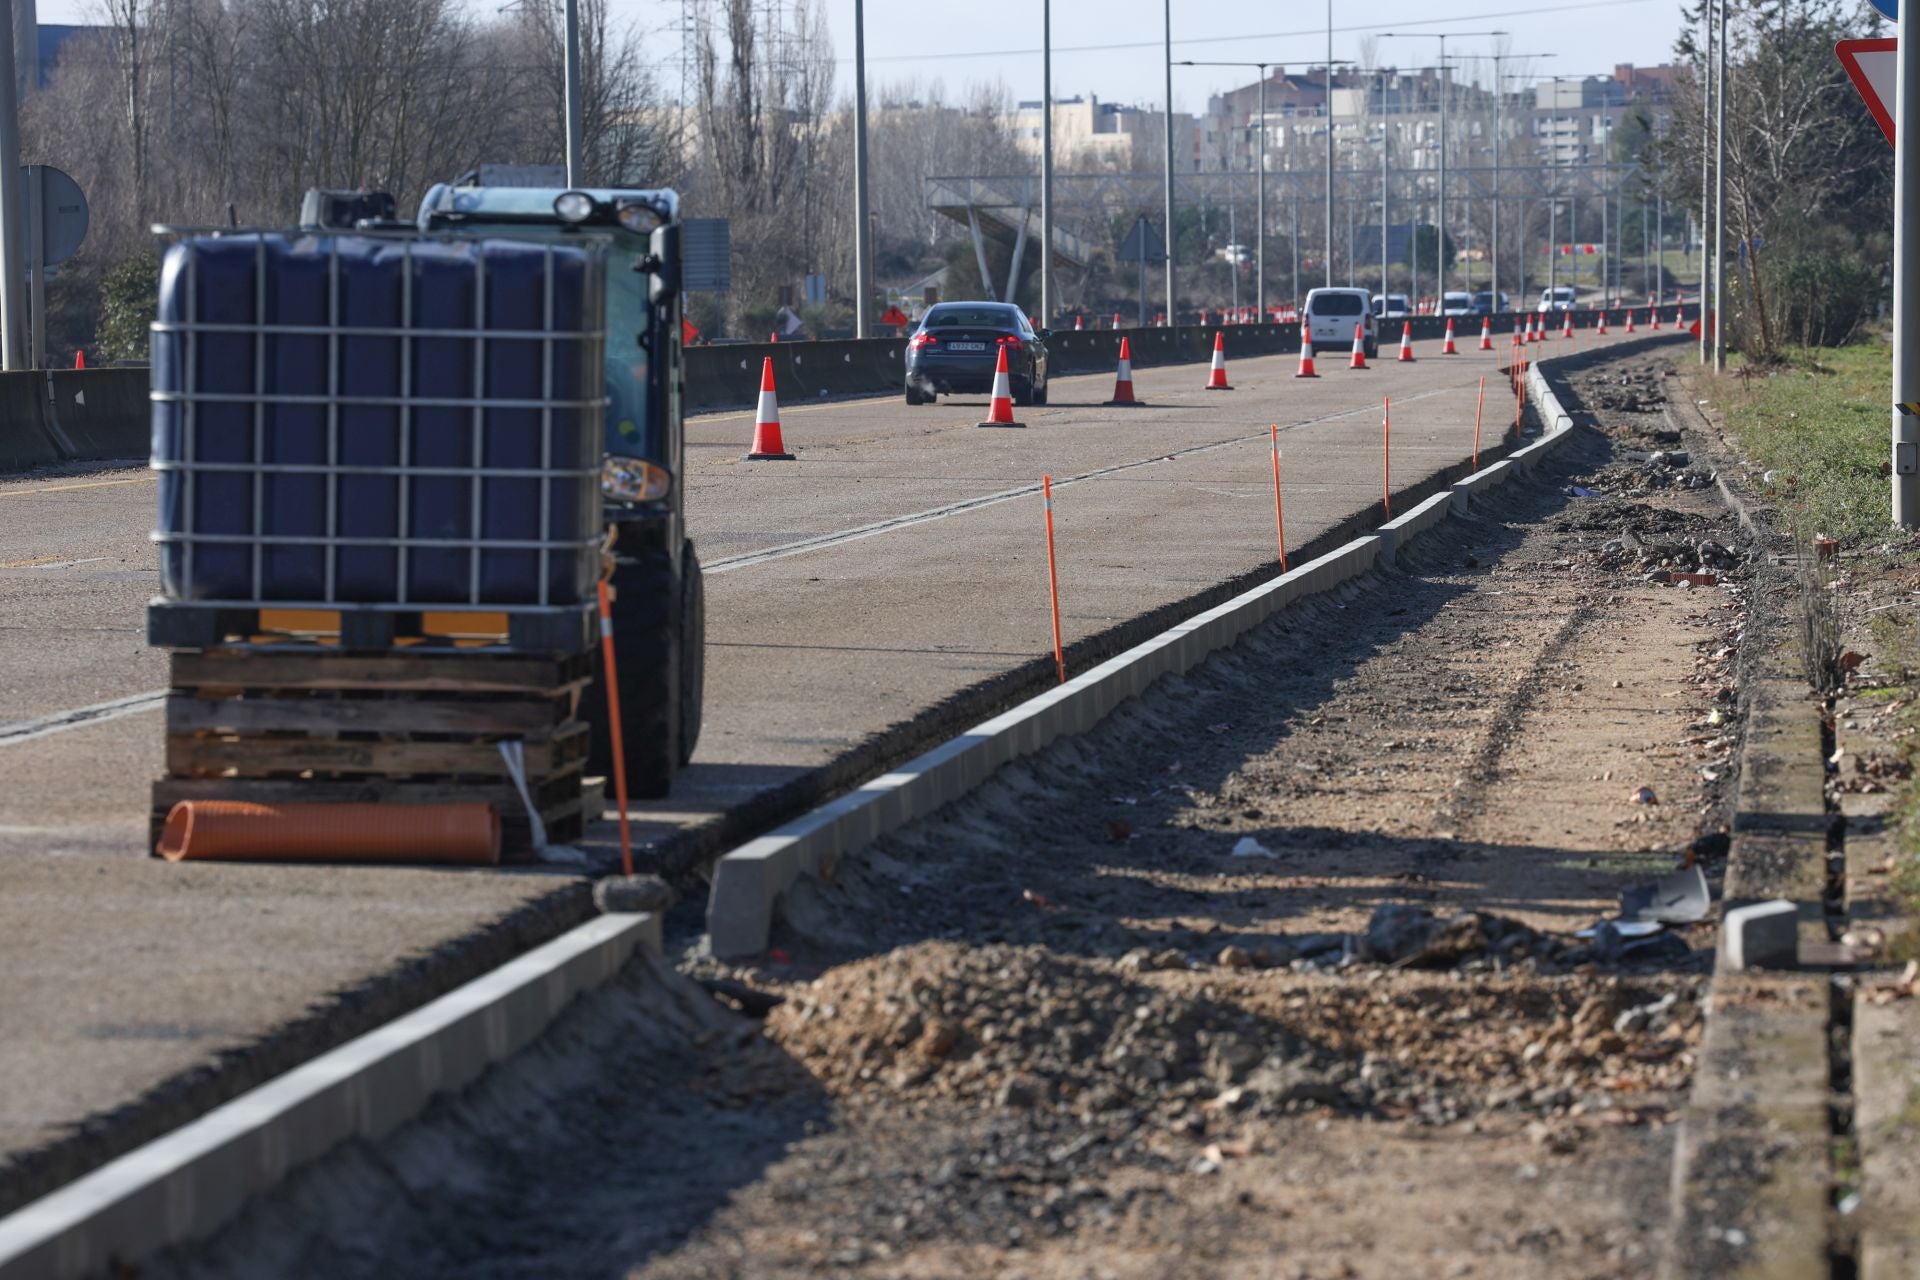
column 957, row 348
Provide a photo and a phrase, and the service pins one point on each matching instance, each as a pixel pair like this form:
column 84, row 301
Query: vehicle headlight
column 633, row 480
column 573, row 206
column 638, row 215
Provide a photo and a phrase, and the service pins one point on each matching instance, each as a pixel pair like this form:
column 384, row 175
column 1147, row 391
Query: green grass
column 1820, row 422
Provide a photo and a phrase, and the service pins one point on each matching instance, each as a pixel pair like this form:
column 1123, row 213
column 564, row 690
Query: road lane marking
column 68, row 488
column 60, row 721
column 28, row 564
column 747, row 560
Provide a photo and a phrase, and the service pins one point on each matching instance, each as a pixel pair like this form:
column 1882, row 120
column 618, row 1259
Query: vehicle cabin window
column 970, row 318
column 1335, row 304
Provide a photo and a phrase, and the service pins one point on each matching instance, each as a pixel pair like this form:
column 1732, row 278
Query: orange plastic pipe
column 236, row 831
column 613, row 721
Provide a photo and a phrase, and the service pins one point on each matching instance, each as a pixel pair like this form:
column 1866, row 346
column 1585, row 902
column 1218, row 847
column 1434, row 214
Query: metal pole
column 1440, row 200
column 1499, row 100
column 1046, row 164
column 1172, row 239
column 1553, row 194
column 1329, row 237
column 862, row 250
column 1906, row 260
column 1706, row 161
column 1720, row 200
column 1606, row 252
column 37, row 264
column 1260, row 205
column 13, row 247
column 1386, row 139
column 572, row 87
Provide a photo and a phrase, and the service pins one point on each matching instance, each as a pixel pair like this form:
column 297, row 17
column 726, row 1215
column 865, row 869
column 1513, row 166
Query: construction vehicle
column 658, row 604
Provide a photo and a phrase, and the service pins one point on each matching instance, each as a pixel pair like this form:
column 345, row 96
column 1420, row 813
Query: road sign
column 1873, row 67
column 1143, row 245
column 1889, row 9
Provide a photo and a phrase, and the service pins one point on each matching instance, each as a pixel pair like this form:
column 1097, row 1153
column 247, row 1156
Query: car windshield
column 1458, row 299
column 971, row 318
column 1335, row 304
column 630, row 429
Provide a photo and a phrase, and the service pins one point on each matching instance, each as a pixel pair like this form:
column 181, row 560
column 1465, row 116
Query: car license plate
column 966, row 346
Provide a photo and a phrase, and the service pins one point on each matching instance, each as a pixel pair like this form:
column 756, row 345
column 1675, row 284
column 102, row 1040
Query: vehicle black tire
column 693, row 652
column 1022, row 392
column 647, row 622
column 1040, row 396
column 1373, row 349
column 914, row 396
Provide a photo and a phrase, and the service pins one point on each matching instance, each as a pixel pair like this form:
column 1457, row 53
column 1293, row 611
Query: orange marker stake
column 1279, row 519
column 613, row 725
column 1386, row 457
column 1053, row 580
column 1479, row 403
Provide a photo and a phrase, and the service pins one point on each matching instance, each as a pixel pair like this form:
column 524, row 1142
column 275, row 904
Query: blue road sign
column 1889, row 9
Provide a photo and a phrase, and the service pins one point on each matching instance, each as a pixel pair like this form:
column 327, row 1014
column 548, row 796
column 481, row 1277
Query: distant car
column 1559, row 298
column 1485, row 303
column 1330, row 315
column 1456, row 304
column 1391, row 306
column 957, row 346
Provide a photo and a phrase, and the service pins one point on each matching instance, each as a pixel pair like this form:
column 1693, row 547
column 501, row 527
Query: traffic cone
column 1077, row 326
column 1653, row 320
column 1217, row 379
column 1602, row 330
column 767, row 444
column 1447, row 348
column 1486, row 333
column 1123, row 382
column 1568, row 331
column 80, row 359
column 1629, row 322
column 1679, row 317
column 1406, row 342
column 1359, row 360
column 1116, row 319
column 1306, row 360
column 1539, row 333
column 1000, row 414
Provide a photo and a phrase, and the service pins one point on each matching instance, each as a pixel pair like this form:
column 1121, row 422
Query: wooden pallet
column 395, row 728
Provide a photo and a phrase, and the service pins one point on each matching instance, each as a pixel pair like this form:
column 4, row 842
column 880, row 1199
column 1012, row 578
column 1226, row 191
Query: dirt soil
column 1274, row 974
column 1078, row 1027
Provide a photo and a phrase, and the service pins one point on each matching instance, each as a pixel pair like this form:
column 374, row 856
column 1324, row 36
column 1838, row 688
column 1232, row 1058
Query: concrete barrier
column 100, row 413
column 24, row 438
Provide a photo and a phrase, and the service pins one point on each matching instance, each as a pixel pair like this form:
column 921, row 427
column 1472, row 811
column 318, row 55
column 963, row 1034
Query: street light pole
column 862, row 250
column 1046, row 164
column 1720, row 202
column 1906, row 298
column 570, row 89
column 1386, row 140
column 1706, row 160
column 1172, row 239
column 1329, row 237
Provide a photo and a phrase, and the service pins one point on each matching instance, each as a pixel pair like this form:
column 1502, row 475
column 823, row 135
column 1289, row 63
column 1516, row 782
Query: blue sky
column 958, row 43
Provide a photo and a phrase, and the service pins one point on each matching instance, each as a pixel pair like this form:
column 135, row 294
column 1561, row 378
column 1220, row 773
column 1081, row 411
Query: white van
column 1330, row 314
column 1559, row 298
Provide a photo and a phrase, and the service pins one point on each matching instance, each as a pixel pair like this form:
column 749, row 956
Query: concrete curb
column 750, row 881
column 1753, row 1165
column 184, row 1186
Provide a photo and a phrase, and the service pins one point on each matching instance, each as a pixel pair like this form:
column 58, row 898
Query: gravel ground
column 1274, row 974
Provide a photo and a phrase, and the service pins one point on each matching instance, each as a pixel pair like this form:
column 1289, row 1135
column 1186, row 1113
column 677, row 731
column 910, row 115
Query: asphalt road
column 899, row 561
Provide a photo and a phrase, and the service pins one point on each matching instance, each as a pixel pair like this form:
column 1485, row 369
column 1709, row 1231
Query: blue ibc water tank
column 255, row 389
